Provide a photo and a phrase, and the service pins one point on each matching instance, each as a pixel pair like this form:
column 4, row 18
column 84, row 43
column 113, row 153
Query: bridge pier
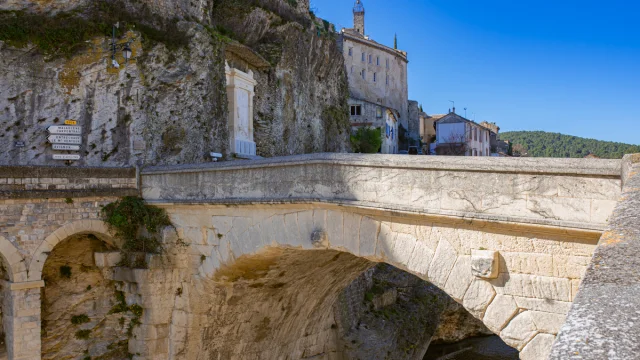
column 21, row 319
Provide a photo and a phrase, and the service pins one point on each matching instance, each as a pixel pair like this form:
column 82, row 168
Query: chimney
column 454, row 109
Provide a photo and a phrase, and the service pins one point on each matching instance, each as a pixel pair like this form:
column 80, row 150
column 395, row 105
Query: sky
column 564, row 66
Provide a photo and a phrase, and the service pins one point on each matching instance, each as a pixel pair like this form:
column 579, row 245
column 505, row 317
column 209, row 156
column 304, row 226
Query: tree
column 545, row 144
column 366, row 140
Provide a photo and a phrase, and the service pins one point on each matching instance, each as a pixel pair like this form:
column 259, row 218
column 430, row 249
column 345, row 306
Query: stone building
column 378, row 90
column 456, row 135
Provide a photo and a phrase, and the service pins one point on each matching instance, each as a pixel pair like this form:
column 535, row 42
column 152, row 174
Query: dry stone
column 478, row 297
column 520, row 330
column 443, row 261
column 539, row 348
column 499, row 312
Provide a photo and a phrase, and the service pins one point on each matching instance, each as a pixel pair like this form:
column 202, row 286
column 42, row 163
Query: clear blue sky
column 555, row 65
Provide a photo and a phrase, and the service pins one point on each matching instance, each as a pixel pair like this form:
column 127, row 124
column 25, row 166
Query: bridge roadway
column 510, row 239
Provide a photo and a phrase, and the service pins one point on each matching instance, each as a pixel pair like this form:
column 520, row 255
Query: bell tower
column 358, row 17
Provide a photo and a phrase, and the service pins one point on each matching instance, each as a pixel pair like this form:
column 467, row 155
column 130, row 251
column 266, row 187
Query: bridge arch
column 525, row 303
column 81, row 227
column 17, row 271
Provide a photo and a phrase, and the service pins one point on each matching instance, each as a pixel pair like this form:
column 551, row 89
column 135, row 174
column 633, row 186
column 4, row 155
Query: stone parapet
column 603, row 320
column 18, row 182
column 565, row 193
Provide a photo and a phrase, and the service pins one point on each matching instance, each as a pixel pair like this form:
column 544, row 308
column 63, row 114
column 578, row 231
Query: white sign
column 66, row 147
column 64, row 139
column 66, row 157
column 71, row 130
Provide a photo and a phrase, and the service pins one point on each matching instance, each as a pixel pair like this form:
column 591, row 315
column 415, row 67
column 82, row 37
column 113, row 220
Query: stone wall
column 602, row 323
column 554, row 192
column 537, row 272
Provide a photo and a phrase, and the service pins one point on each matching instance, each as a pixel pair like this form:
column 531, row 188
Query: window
column 364, row 74
column 378, row 60
column 486, row 151
column 475, row 134
column 370, row 59
column 375, row 77
column 363, row 56
column 350, row 51
column 387, row 79
column 356, row 110
column 481, row 137
column 378, row 112
column 352, row 69
column 387, row 63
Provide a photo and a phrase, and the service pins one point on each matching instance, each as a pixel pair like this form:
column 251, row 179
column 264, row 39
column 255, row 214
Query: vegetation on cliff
column 546, row 144
column 65, row 34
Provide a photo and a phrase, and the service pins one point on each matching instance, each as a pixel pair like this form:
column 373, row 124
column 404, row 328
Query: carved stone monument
column 240, row 93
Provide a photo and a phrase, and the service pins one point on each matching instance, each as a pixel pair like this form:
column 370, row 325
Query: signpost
column 19, row 144
column 66, row 147
column 71, row 130
column 65, row 157
column 65, row 139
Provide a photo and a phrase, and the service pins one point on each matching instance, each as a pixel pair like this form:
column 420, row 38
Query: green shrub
column 83, row 334
column 367, row 140
column 80, row 319
column 126, row 217
column 65, row 271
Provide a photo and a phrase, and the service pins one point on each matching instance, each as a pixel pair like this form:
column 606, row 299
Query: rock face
column 78, row 319
column 168, row 105
column 457, row 324
column 387, row 313
column 301, row 101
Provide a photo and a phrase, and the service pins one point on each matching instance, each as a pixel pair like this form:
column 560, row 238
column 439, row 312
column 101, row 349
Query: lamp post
column 126, row 48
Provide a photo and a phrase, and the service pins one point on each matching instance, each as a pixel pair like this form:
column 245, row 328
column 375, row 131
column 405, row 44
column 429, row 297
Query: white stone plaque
column 71, row 130
column 66, row 157
column 66, row 147
column 65, row 139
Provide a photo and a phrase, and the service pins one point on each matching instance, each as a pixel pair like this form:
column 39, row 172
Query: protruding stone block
column 107, row 259
column 485, row 264
column 320, row 239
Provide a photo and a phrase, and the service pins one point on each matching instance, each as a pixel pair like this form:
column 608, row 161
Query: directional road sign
column 66, row 147
column 65, row 139
column 65, row 157
column 69, row 130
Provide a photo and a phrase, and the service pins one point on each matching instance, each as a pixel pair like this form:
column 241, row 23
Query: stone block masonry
column 603, row 321
column 509, row 239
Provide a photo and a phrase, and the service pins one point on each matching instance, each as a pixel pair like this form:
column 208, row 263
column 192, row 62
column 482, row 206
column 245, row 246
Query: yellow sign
column 70, row 122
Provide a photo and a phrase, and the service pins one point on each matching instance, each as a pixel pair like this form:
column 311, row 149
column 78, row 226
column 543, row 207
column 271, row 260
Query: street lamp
column 126, row 52
column 126, row 49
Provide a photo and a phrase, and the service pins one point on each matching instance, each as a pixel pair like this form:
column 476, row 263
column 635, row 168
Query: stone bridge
column 261, row 249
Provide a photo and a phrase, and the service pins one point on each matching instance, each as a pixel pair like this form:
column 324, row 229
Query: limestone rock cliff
column 168, row 104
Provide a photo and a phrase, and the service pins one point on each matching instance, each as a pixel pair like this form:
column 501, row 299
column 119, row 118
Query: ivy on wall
column 137, row 225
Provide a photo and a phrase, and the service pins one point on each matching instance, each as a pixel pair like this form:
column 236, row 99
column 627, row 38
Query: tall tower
column 358, row 17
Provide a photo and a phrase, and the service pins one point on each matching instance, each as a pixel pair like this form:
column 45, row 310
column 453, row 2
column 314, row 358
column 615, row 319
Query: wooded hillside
column 546, row 144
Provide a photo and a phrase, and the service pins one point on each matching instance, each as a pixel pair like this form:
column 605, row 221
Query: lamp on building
column 126, row 52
